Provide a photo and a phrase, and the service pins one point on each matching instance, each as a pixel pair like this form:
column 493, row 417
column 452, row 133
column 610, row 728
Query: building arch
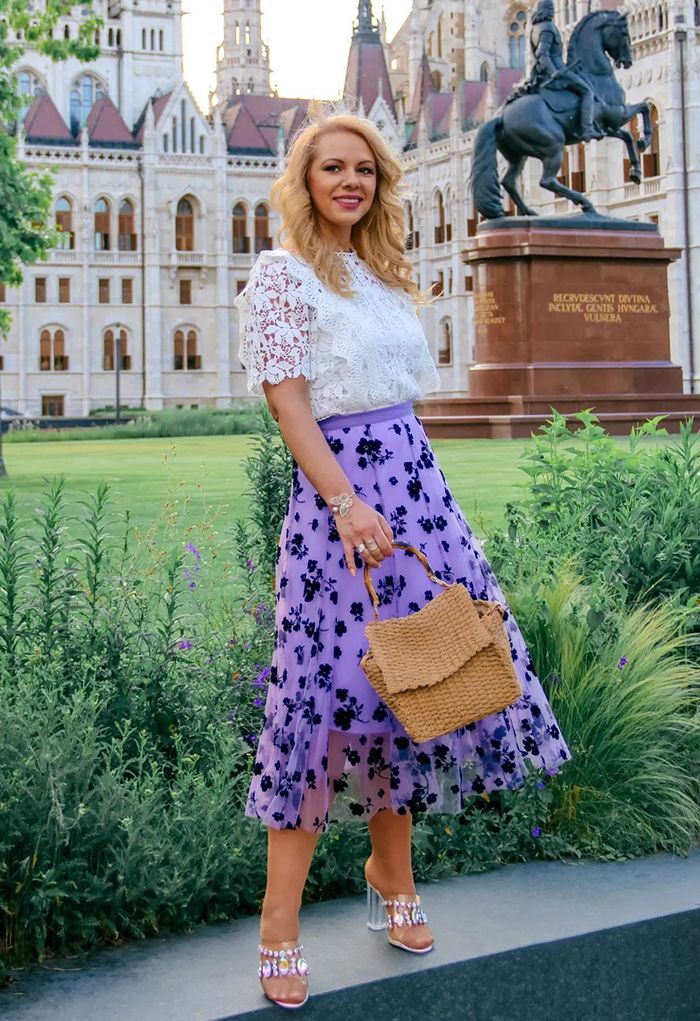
column 186, row 356
column 445, row 341
column 30, row 84
column 188, row 210
column 64, row 222
column 102, row 225
column 127, row 238
column 439, row 216
column 53, row 356
column 86, row 89
column 517, row 23
column 109, row 346
column 239, row 228
column 263, row 240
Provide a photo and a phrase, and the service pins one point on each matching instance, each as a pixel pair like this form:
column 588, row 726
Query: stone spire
column 367, row 75
column 242, row 59
column 366, row 22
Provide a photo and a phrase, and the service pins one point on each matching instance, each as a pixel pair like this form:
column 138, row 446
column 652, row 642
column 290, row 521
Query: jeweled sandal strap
column 282, row 962
column 405, row 912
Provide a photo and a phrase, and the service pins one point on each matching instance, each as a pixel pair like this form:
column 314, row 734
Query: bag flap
column 429, row 645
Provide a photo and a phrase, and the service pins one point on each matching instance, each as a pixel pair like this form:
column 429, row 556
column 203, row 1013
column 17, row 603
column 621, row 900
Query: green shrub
column 627, row 701
column 629, row 517
column 241, row 418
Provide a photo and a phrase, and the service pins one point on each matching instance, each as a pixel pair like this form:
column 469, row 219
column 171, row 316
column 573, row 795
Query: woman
column 330, row 335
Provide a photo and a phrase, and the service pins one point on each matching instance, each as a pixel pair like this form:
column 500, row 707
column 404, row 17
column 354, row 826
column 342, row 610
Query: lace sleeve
column 275, row 325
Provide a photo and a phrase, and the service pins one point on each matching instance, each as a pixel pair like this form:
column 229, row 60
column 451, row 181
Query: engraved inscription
column 486, row 309
column 602, row 308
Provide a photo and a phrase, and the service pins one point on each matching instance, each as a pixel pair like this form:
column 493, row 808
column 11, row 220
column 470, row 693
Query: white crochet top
column 357, row 353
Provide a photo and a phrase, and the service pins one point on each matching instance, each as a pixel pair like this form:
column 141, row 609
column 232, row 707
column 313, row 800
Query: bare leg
column 289, row 854
column 388, row 868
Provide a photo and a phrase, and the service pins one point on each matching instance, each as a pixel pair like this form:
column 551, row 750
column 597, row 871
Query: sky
column 308, row 40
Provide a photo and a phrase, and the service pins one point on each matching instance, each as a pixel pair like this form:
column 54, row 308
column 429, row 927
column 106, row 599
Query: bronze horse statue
column 542, row 123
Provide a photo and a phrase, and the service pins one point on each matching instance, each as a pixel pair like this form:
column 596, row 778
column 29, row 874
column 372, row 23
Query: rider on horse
column 549, row 66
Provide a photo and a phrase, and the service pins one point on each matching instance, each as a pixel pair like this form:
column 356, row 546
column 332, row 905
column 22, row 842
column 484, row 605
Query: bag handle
column 423, row 560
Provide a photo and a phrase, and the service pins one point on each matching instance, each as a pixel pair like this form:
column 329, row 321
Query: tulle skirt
column 330, row 748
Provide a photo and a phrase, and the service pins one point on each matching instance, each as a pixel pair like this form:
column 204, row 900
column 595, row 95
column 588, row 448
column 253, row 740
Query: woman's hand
column 363, row 524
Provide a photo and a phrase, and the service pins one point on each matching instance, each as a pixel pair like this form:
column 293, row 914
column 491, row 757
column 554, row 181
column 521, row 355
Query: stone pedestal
column 566, row 317
column 564, row 313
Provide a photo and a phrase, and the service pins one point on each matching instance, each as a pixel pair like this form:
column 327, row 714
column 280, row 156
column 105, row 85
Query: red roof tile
column 242, row 132
column 43, row 122
column 253, row 121
column 159, row 104
column 367, row 73
column 506, row 78
column 473, row 103
column 106, row 126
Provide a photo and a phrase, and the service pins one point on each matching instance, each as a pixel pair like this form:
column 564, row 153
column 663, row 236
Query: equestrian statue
column 559, row 104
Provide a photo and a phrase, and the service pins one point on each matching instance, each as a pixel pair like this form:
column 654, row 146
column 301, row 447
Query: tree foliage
column 26, row 231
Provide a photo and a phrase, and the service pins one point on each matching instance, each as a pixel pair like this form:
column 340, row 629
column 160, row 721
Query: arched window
column 251, row 86
column 439, row 218
column 237, row 34
column 651, row 159
column 410, row 228
column 447, row 203
column 516, row 39
column 64, row 223
column 241, row 240
column 184, row 226
column 263, row 241
column 247, row 33
column 437, row 80
column 84, row 94
column 45, row 351
column 484, row 73
column 30, row 86
column 445, row 343
column 109, row 342
column 234, row 86
column 126, row 238
column 102, row 226
column 185, row 350
column 52, row 351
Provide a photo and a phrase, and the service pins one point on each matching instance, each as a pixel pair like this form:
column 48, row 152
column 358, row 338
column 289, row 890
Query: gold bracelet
column 341, row 504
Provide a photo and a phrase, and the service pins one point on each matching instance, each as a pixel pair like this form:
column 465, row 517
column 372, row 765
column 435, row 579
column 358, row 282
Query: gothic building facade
column 162, row 210
column 453, row 63
column 163, row 207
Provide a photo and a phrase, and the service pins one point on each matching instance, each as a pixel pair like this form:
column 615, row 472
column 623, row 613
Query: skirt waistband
column 364, row 417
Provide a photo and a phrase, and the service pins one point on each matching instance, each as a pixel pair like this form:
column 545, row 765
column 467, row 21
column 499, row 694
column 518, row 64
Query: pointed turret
column 367, row 77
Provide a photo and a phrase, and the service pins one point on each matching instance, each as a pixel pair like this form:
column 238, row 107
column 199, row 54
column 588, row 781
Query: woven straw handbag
column 444, row 666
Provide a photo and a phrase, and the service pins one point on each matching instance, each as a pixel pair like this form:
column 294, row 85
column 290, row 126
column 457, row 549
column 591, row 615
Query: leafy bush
column 241, row 418
column 629, row 705
column 629, row 517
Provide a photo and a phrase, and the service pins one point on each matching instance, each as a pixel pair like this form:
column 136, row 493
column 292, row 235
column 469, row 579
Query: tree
column 26, row 231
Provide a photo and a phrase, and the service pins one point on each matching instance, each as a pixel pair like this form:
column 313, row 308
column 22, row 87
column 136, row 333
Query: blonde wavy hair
column 378, row 238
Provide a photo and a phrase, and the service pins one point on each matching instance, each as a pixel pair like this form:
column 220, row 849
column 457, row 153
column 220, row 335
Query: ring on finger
column 361, row 547
column 371, row 544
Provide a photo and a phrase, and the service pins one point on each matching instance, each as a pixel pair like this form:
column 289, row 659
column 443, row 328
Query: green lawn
column 194, row 479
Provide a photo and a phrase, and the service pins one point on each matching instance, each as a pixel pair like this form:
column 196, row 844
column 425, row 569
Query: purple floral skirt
column 329, row 747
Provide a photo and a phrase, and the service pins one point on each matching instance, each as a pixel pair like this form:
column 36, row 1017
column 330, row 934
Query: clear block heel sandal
column 281, row 962
column 395, row 914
